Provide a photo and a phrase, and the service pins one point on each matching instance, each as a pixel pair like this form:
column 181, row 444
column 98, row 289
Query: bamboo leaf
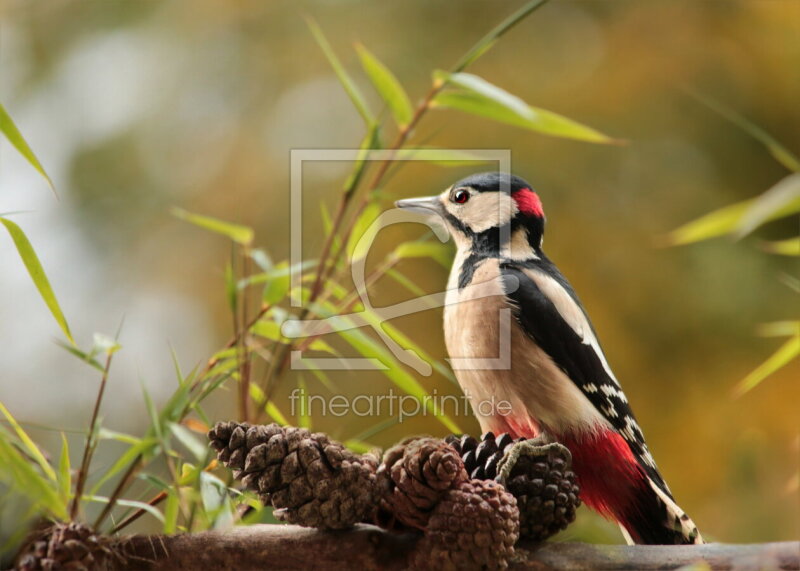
column 481, row 98
column 277, row 288
column 19, row 473
column 779, row 329
column 486, row 42
column 347, row 83
column 240, row 234
column 142, row 448
column 416, row 249
column 64, row 471
column 9, row 129
column 728, row 219
column 711, row 225
column 782, row 357
column 128, row 504
column 29, row 445
column 363, row 230
column 775, row 148
column 82, row 355
column 387, row 86
column 788, row 247
column 781, row 200
column 36, row 271
column 189, row 440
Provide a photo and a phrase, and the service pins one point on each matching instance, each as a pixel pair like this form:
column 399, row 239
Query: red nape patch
column 528, row 202
column 608, row 473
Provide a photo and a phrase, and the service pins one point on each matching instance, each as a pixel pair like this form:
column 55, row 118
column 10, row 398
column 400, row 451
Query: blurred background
column 134, row 107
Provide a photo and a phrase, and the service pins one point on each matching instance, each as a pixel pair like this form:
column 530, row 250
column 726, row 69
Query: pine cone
column 420, row 471
column 65, row 546
column 474, row 526
column 481, row 458
column 538, row 475
column 310, row 479
column 546, row 489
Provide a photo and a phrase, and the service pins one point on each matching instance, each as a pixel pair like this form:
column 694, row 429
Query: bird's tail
column 654, row 518
column 614, row 483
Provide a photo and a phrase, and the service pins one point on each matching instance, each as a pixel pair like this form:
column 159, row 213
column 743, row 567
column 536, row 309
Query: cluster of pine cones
column 471, row 499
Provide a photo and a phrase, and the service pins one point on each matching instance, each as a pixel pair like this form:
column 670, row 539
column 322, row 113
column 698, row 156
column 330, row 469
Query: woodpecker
column 558, row 382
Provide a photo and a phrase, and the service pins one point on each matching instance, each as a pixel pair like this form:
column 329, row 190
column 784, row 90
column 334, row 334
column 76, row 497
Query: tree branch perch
column 367, row 547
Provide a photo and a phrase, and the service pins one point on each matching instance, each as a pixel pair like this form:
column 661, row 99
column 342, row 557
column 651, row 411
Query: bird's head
column 494, row 213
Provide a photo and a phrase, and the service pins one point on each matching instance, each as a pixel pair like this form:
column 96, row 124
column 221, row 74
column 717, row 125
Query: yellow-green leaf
column 387, row 86
column 479, row 97
column 775, row 148
column 788, row 247
column 415, row 249
column 782, row 357
column 347, row 83
column 36, row 271
column 64, row 470
column 780, row 200
column 240, row 234
column 9, row 129
column 779, row 329
column 28, row 444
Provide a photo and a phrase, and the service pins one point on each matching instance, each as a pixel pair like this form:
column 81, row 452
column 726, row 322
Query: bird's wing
column 549, row 312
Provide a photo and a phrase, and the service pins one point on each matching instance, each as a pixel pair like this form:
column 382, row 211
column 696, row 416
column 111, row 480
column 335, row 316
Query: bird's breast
column 496, row 362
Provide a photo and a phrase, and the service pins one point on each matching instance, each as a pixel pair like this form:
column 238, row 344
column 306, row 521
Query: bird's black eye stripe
column 460, row 196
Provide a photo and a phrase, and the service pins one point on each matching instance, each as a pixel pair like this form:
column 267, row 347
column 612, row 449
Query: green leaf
column 369, row 347
column 387, row 86
column 363, row 233
column 231, row 293
column 189, row 439
column 18, row 472
column 416, row 249
column 779, row 329
column 481, row 98
column 128, row 504
column 142, row 448
column 268, row 329
column 486, row 42
column 775, row 148
column 781, row 200
column 171, row 513
column 9, row 129
column 37, row 274
column 240, row 234
column 28, row 444
column 352, row 91
column 269, row 407
column 782, row 357
column 407, row 283
column 728, row 219
column 716, row 223
column 83, row 356
column 64, row 471
column 277, row 288
column 788, row 247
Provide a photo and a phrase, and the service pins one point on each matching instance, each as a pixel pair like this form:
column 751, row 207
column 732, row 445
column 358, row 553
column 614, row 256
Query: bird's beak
column 428, row 205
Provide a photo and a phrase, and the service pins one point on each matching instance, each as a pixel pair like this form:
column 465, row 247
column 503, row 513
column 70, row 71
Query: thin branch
column 88, row 449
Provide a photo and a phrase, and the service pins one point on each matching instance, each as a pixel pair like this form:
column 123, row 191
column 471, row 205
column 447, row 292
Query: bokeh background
column 137, row 106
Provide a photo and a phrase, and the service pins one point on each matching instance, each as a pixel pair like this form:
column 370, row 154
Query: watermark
column 372, row 316
column 393, row 405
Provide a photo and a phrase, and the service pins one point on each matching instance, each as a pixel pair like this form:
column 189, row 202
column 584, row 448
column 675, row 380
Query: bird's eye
column 460, row 196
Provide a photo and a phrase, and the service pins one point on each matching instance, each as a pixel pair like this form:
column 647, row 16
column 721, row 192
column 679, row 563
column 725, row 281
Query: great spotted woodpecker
column 558, row 381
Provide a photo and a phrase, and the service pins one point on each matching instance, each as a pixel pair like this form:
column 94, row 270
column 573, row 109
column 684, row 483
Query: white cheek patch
column 484, row 210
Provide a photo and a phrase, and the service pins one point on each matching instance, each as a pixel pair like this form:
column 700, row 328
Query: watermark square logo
column 304, row 328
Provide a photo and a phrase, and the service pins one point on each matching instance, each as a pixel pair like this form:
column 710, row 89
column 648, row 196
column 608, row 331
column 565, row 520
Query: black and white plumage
column 558, row 380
